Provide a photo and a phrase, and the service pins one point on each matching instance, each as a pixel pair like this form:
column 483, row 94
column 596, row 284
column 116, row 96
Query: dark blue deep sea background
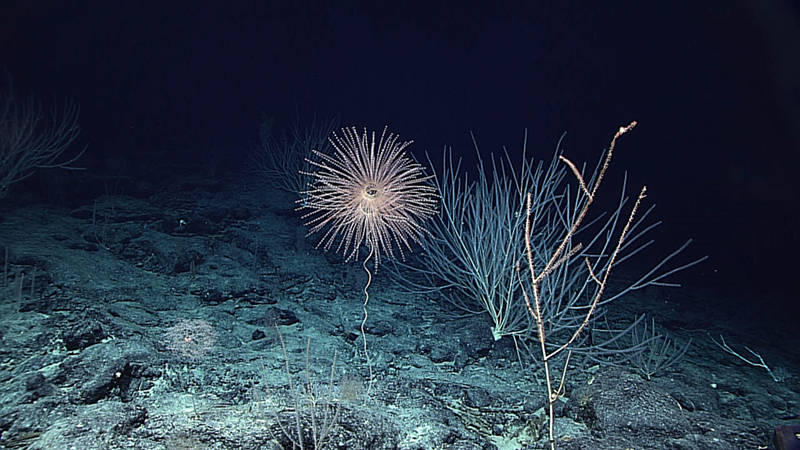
column 167, row 231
